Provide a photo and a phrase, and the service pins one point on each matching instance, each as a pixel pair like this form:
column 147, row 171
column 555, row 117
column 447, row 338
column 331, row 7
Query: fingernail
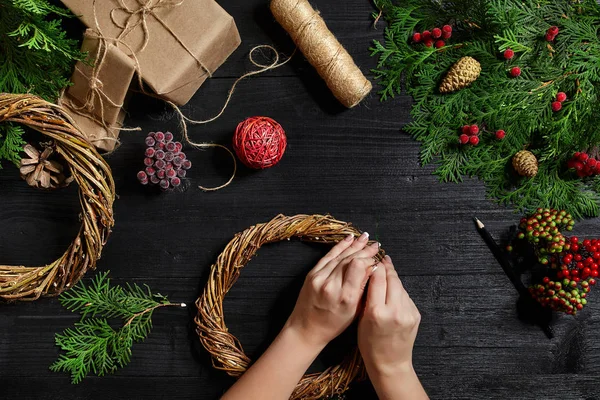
column 349, row 238
column 376, row 244
column 374, row 268
column 364, row 237
column 388, row 258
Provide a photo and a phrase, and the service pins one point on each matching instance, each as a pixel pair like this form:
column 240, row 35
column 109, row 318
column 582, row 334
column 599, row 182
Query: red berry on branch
column 446, row 35
column 426, row 35
column 447, row 28
column 583, row 157
column 474, row 140
column 466, row 129
column 474, row 129
column 428, row 43
column 556, row 106
column 509, row 54
column 500, row 134
column 553, row 30
column 561, row 96
column 439, row 44
column 515, row 72
column 586, row 271
column 436, row 33
column 416, row 37
column 594, row 273
column 463, row 139
column 546, row 279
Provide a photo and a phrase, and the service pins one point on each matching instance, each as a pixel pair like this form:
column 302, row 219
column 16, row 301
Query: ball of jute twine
column 96, row 196
column 322, row 50
column 225, row 349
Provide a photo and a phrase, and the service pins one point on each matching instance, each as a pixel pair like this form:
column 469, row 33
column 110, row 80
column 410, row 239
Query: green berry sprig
column 543, row 230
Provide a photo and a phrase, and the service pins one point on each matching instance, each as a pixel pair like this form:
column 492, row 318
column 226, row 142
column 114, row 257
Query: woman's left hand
column 330, row 298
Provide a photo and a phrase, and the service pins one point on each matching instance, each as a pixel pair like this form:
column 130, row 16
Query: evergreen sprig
column 36, row 57
column 483, row 29
column 93, row 345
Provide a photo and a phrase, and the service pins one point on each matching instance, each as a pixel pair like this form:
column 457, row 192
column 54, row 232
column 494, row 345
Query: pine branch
column 36, row 57
column 93, row 345
column 483, row 29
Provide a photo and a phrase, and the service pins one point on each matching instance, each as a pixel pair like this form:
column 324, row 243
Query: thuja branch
column 93, row 345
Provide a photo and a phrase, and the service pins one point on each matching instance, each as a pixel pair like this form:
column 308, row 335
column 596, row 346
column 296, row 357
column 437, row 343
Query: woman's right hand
column 389, row 324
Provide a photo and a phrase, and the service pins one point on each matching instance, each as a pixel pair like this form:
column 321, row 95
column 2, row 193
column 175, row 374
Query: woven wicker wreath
column 225, row 349
column 96, row 196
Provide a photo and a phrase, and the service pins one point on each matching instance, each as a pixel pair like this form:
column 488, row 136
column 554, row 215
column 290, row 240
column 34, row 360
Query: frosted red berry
column 439, row 44
column 148, row 162
column 561, row 96
column 169, row 156
column 509, row 54
column 500, row 134
column 168, row 137
column 159, row 155
column 171, row 147
column 474, row 140
column 150, row 152
column 463, row 139
column 161, row 173
column 150, row 141
column 556, row 106
column 181, row 173
column 142, row 176
column 171, row 173
column 515, row 72
column 159, row 136
column 187, row 164
column 436, row 33
column 416, row 37
column 175, row 182
column 164, row 184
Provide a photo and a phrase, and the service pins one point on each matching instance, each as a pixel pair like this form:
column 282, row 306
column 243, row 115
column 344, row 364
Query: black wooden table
column 355, row 164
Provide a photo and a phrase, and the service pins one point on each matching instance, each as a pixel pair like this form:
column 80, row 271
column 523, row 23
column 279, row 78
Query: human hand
column 332, row 291
column 389, row 324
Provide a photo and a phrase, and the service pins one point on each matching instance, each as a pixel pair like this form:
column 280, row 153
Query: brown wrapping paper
column 177, row 44
column 114, row 72
column 99, row 89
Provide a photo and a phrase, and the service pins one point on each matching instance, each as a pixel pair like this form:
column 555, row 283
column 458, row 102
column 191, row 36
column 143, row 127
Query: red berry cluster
column 165, row 163
column 434, row 37
column 470, row 135
column 551, row 33
column 557, row 103
column 584, row 165
column 573, row 265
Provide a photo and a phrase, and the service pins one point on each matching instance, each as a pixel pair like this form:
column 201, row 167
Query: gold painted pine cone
column 464, row 72
column 525, row 163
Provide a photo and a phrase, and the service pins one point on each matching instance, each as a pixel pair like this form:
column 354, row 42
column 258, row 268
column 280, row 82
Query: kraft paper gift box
column 175, row 44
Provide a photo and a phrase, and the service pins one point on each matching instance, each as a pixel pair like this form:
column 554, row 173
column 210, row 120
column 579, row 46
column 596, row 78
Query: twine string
column 184, row 119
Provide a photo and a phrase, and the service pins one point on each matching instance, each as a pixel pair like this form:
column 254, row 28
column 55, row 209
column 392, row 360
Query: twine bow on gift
column 137, row 16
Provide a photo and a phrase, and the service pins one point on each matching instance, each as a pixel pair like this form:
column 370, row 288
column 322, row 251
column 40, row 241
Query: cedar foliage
column 35, row 57
column 483, row 29
column 93, row 345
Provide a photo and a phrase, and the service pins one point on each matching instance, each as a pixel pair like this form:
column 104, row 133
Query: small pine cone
column 41, row 172
column 464, row 72
column 525, row 163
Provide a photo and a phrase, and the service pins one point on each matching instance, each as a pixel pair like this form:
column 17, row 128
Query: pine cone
column 525, row 163
column 464, row 72
column 40, row 172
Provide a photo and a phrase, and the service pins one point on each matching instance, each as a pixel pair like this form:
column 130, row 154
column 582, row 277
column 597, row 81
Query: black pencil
column 506, row 265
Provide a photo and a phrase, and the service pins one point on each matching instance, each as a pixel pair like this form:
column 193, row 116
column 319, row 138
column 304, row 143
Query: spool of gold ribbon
column 322, row 50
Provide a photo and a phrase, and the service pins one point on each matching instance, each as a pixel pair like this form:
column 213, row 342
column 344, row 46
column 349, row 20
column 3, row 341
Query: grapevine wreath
column 96, row 195
column 225, row 349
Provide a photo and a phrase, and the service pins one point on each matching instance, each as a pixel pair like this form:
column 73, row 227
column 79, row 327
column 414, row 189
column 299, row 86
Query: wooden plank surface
column 355, row 164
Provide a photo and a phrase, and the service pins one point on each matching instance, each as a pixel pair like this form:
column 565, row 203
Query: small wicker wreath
column 225, row 349
column 96, row 196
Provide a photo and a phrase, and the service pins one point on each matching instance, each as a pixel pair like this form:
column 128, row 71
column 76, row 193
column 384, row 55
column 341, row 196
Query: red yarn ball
column 259, row 142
